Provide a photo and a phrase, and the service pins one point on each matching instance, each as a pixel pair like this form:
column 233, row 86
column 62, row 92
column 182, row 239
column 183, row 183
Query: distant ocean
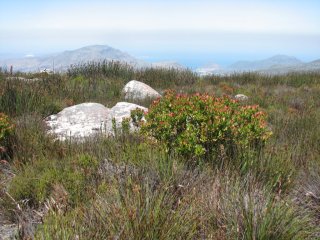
column 195, row 60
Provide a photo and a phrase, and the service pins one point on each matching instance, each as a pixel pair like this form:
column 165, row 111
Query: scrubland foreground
column 133, row 187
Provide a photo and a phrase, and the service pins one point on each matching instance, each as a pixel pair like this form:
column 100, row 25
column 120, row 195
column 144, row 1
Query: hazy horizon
column 190, row 32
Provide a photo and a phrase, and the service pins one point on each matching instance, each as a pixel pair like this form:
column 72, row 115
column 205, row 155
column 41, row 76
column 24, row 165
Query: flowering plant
column 197, row 125
column 6, row 129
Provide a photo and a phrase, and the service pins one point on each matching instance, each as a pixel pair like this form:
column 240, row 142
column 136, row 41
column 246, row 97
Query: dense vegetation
column 131, row 187
column 197, row 125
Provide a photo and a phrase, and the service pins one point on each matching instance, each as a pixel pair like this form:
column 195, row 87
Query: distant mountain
column 61, row 61
column 313, row 66
column 88, row 54
column 279, row 64
column 315, row 63
column 278, row 61
column 26, row 64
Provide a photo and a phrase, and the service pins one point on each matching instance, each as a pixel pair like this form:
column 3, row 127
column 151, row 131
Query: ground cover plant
column 131, row 187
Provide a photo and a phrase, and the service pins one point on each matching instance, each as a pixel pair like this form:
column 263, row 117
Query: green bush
column 137, row 116
column 6, row 129
column 199, row 125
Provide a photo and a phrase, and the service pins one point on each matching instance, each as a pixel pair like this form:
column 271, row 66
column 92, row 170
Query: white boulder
column 138, row 91
column 88, row 119
column 80, row 121
column 241, row 97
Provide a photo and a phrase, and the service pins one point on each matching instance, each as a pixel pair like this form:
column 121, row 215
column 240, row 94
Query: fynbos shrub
column 6, row 128
column 198, row 125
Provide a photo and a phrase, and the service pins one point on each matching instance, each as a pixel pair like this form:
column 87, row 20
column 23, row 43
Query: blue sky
column 190, row 31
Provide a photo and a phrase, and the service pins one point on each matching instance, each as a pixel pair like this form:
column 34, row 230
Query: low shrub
column 77, row 175
column 198, row 125
column 6, row 129
column 6, row 126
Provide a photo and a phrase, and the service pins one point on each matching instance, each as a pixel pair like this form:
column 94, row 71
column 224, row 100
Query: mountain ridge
column 277, row 64
column 276, row 60
column 63, row 60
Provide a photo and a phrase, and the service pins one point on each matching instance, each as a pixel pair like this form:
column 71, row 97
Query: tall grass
column 128, row 187
column 155, row 77
column 257, row 212
column 290, row 79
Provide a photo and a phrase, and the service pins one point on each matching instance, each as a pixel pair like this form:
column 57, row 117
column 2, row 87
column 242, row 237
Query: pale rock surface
column 241, row 97
column 123, row 109
column 138, row 91
column 88, row 119
column 80, row 121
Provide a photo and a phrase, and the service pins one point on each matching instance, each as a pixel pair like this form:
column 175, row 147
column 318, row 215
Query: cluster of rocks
column 89, row 119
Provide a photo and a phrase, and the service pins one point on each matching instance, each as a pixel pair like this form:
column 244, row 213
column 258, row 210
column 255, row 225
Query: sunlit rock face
column 88, row 119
